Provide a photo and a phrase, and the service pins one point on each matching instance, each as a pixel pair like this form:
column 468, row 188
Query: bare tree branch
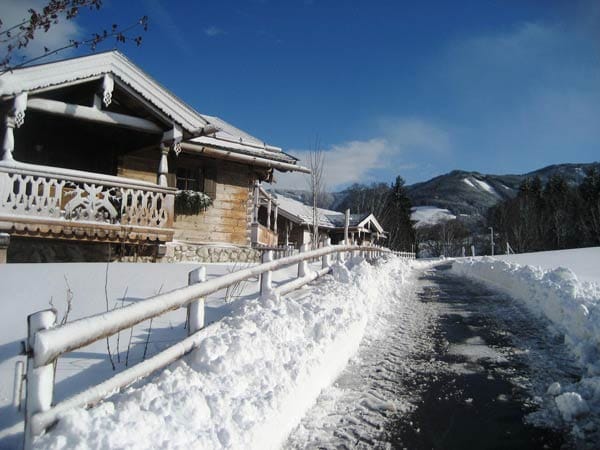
column 19, row 36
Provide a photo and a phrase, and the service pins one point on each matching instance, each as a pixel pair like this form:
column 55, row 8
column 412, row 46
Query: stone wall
column 182, row 252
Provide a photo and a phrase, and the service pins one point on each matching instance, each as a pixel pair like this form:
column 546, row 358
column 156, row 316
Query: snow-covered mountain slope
column 471, row 193
column 467, row 195
column 430, row 215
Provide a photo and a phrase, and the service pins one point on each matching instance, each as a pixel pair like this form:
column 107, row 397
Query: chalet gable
column 111, row 69
column 109, row 89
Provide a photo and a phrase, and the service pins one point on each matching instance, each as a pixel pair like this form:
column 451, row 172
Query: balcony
column 264, row 237
column 42, row 201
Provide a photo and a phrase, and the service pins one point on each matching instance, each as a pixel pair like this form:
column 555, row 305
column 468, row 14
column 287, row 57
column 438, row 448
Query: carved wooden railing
column 40, row 200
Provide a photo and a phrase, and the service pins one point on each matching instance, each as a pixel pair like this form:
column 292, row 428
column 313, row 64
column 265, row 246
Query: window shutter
column 210, row 181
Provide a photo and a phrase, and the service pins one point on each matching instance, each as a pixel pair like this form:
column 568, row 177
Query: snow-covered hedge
column 253, row 377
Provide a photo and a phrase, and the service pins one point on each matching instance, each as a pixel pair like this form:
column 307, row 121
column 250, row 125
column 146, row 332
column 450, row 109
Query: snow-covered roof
column 302, row 214
column 232, row 138
column 55, row 74
column 87, row 68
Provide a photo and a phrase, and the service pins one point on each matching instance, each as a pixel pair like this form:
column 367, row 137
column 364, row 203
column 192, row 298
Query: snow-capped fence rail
column 47, row 342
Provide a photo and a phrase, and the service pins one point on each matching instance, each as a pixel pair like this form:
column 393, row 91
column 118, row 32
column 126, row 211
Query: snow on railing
column 46, row 342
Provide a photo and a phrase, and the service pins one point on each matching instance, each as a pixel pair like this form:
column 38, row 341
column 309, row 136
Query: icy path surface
column 354, row 411
column 453, row 365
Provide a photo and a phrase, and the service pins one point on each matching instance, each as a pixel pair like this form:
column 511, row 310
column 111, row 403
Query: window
column 190, row 179
column 195, row 177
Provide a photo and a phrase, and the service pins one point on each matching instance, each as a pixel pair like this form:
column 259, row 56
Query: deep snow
column 253, row 377
column 291, row 349
column 27, row 288
column 584, row 262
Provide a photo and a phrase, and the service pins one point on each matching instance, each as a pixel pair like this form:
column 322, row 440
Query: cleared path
column 452, row 365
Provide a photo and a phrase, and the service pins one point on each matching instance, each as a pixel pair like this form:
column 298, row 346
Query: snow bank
column 571, row 305
column 583, row 261
column 573, row 310
column 253, row 377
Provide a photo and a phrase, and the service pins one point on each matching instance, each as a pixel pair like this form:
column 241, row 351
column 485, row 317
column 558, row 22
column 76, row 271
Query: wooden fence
column 46, row 341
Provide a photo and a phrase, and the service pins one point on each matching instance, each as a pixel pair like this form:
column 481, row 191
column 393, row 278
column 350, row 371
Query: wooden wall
column 227, row 220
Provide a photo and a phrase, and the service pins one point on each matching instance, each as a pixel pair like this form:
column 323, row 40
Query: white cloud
column 15, row 11
column 213, row 31
column 345, row 163
column 380, row 158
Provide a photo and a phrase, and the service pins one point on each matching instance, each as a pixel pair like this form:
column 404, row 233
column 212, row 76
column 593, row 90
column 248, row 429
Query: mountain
column 466, row 195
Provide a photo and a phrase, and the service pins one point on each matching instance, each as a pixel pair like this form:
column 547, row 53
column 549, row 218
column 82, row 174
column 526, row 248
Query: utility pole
column 492, row 239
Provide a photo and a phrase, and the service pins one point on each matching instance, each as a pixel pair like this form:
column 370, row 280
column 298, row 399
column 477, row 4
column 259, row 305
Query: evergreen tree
column 589, row 207
column 397, row 220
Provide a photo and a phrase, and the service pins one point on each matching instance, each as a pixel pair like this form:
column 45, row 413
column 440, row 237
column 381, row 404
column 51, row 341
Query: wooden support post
column 8, row 144
column 40, row 380
column 269, row 213
column 14, row 118
column 325, row 262
column 196, row 308
column 255, row 201
column 266, row 278
column 303, row 265
column 275, row 213
column 287, row 233
column 163, row 167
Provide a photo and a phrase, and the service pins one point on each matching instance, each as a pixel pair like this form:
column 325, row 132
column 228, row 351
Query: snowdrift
column 253, row 377
column 571, row 305
column 573, row 310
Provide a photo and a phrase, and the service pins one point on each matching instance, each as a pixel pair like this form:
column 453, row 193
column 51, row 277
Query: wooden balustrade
column 38, row 200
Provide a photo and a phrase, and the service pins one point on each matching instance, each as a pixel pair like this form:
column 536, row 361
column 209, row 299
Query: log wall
column 226, row 221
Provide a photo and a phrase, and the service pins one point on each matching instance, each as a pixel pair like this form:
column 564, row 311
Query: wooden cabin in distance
column 100, row 162
column 292, row 221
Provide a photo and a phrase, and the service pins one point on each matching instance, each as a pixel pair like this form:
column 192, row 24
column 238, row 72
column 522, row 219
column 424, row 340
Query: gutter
column 241, row 158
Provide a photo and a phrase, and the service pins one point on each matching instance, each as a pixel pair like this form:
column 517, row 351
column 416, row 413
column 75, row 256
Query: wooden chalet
column 292, row 220
column 96, row 152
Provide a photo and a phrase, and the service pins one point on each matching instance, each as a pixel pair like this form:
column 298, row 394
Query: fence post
column 266, row 278
column 196, row 308
column 340, row 255
column 325, row 262
column 303, row 265
column 18, row 383
column 40, row 380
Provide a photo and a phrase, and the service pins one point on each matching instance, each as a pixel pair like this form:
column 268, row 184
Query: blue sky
column 387, row 87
